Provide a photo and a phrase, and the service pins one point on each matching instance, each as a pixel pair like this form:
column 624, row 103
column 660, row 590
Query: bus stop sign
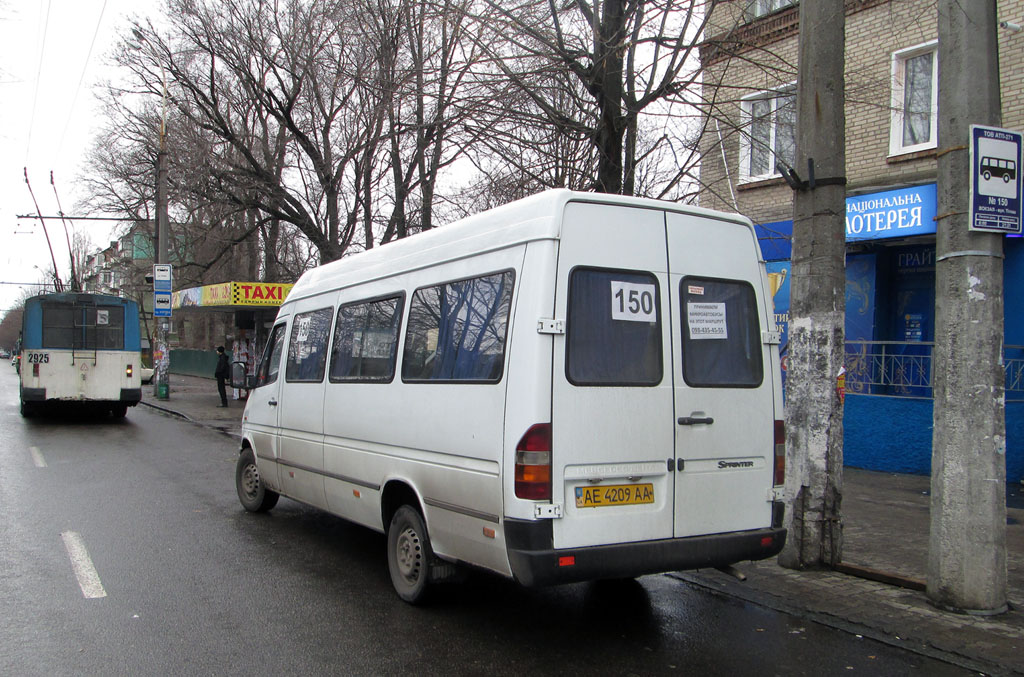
column 995, row 180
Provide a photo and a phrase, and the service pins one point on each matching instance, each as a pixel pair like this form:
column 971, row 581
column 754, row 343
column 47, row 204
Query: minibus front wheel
column 253, row 494
column 409, row 554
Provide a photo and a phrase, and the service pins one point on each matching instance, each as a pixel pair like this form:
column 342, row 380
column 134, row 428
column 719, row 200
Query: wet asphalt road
column 194, row 585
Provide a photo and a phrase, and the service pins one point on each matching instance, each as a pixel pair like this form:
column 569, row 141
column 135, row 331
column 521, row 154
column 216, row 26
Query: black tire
column 28, row 409
column 253, row 494
column 119, row 410
column 409, row 555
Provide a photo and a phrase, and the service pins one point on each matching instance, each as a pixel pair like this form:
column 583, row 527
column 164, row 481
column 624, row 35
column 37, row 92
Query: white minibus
column 570, row 387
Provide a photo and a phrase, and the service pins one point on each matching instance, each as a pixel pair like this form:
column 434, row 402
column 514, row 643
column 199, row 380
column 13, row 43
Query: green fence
column 194, row 362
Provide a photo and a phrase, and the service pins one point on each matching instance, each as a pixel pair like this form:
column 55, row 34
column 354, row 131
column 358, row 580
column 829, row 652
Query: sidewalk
column 886, row 536
column 195, row 399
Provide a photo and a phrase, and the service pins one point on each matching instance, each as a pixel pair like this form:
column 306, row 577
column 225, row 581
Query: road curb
column 230, row 432
column 740, row 591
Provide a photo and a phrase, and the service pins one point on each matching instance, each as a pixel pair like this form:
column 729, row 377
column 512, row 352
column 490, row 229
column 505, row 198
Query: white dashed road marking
column 85, row 572
column 37, row 457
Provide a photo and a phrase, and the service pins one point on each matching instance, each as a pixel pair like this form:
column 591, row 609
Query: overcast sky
column 52, row 53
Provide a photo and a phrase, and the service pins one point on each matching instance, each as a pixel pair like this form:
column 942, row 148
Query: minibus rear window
column 307, row 349
column 721, row 333
column 365, row 341
column 614, row 329
column 457, row 330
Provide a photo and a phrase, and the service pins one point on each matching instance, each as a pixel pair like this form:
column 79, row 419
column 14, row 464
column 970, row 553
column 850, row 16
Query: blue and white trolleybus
column 80, row 350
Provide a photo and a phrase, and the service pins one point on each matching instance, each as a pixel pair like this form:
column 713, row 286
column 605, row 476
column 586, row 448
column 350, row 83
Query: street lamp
column 161, row 361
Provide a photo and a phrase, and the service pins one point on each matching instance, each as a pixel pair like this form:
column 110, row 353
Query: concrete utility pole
column 967, row 546
column 814, row 411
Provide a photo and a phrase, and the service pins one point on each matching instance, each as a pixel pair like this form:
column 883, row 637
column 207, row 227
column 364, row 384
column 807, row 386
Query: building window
column 915, row 89
column 758, row 8
column 769, row 120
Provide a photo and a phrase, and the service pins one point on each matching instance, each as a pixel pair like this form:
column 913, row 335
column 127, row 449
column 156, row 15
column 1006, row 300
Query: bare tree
column 609, row 62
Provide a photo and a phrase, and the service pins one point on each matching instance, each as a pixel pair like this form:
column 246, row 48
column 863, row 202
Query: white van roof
column 537, row 217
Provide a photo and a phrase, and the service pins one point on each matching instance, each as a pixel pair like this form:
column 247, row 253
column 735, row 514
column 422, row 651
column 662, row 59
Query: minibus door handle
column 695, row 420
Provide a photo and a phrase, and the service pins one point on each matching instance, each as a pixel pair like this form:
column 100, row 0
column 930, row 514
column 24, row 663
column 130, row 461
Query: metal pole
column 163, row 388
column 967, row 542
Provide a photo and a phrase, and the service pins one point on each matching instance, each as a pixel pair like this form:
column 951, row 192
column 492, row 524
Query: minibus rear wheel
column 253, row 494
column 409, row 555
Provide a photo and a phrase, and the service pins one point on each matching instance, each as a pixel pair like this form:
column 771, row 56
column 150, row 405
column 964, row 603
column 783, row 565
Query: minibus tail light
column 780, row 453
column 533, row 463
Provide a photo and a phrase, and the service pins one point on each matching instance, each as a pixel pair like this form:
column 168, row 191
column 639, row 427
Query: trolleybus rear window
column 83, row 327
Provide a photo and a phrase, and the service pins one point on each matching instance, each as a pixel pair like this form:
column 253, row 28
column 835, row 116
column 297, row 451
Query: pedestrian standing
column 221, row 373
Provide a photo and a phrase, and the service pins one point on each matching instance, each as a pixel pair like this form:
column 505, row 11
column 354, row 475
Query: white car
column 146, row 374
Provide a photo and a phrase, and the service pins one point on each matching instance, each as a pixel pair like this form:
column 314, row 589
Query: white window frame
column 759, row 8
column 747, row 141
column 898, row 116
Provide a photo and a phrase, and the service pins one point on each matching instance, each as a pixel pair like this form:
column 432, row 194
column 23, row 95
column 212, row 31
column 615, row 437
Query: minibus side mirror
column 238, row 376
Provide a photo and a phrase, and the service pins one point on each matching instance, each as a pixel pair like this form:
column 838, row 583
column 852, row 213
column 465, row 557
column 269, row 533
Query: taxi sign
column 995, row 180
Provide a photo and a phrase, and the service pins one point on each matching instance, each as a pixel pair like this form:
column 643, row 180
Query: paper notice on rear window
column 706, row 320
column 633, row 302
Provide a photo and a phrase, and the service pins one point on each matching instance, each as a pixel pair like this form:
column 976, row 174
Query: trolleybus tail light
column 533, row 463
column 35, row 369
column 780, row 453
column 128, row 371
column 569, row 561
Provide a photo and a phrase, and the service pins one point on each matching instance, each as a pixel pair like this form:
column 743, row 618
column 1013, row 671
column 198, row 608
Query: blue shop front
column 890, row 329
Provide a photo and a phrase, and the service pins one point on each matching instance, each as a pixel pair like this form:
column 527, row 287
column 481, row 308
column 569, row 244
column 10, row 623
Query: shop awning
column 231, row 296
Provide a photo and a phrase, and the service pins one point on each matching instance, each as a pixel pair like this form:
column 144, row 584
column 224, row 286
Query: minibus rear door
column 612, row 415
column 724, row 391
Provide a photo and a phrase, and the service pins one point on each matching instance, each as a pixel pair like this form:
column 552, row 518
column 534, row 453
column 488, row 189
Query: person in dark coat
column 222, row 372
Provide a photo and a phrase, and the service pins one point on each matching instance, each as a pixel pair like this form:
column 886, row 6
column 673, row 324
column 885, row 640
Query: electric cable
column 81, row 79
column 39, row 77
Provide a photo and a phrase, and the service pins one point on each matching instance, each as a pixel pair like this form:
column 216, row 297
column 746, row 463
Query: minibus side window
column 721, row 333
column 271, row 362
column 366, row 341
column 613, row 333
column 457, row 330
column 307, row 348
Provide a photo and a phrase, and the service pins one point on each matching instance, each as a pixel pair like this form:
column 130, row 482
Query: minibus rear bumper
column 533, row 566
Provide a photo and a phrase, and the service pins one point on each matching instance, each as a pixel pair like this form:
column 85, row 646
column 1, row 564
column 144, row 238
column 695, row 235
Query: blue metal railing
column 904, row 368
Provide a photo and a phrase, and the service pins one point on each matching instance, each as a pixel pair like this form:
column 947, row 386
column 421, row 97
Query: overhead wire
column 81, row 78
column 39, row 77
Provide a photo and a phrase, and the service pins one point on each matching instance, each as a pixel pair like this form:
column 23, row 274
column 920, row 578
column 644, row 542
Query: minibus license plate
column 614, row 494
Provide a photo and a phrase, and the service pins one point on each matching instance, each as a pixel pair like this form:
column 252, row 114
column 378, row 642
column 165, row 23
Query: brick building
column 749, row 62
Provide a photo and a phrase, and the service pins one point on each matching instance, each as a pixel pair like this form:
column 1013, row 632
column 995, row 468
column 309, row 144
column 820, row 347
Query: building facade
column 749, row 63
